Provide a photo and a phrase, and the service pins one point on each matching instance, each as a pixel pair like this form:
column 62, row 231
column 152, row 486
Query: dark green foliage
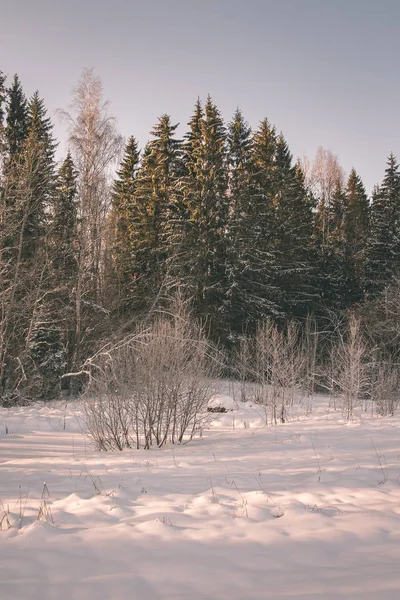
column 26, row 197
column 49, row 357
column 342, row 250
column 238, row 291
column 59, row 311
column 154, row 188
column 124, row 200
column 293, row 236
column 356, row 234
column 141, row 205
column 65, row 221
column 224, row 217
column 40, row 124
column 331, row 254
column 200, row 243
column 17, row 117
column 383, row 251
column 26, row 282
column 251, row 260
column 260, row 260
column 3, row 97
column 356, row 220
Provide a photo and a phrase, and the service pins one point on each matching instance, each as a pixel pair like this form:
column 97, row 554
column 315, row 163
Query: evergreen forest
column 94, row 244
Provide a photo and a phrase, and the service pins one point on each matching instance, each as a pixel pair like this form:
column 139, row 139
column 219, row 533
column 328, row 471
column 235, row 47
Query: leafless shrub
column 384, row 392
column 275, row 362
column 152, row 389
column 243, row 367
column 5, row 523
column 309, row 341
column 381, row 322
column 350, row 370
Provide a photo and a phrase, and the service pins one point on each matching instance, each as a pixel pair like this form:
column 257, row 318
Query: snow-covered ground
column 309, row 509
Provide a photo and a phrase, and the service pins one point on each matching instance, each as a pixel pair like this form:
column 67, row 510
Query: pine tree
column 238, row 305
column 39, row 123
column 356, row 231
column 330, row 253
column 146, row 211
column 48, row 355
column 65, row 220
column 383, row 249
column 357, row 212
column 28, row 193
column 17, row 117
column 180, row 228
column 57, row 324
column 260, row 259
column 336, row 215
column 293, row 235
column 123, row 205
column 193, row 140
column 27, row 282
column 38, row 149
column 3, row 146
column 201, row 255
column 3, row 97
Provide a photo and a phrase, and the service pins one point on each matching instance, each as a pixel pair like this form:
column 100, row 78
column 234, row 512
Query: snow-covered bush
column 384, row 390
column 275, row 363
column 350, row 368
column 153, row 388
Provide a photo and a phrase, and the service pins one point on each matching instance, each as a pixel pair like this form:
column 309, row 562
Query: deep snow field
column 308, row 509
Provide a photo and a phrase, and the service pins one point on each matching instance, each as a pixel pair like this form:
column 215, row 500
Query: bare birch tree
column 95, row 145
column 323, row 175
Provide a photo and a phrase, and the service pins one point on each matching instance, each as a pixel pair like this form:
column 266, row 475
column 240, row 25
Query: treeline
column 224, row 216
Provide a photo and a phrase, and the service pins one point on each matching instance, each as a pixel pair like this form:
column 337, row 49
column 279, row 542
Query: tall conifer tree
column 65, row 220
column 356, row 232
column 39, row 123
column 147, row 212
column 238, row 302
column 260, row 257
column 17, row 117
column 293, row 235
column 202, row 252
column 383, row 251
column 123, row 214
column 3, row 97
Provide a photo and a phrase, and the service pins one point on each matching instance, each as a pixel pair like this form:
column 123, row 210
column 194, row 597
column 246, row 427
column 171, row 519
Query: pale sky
column 325, row 72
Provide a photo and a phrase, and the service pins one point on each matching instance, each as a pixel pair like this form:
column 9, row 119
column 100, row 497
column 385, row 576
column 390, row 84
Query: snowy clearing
column 307, row 509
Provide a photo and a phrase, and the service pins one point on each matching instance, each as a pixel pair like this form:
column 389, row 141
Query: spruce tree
column 202, row 252
column 260, row 258
column 52, row 342
column 65, row 220
column 356, row 231
column 383, row 249
column 39, row 123
column 3, row 97
column 147, row 210
column 293, row 235
column 123, row 213
column 332, row 270
column 34, row 166
column 48, row 355
column 59, row 314
column 40, row 145
column 238, row 303
column 27, row 295
column 17, row 117
column 193, row 139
